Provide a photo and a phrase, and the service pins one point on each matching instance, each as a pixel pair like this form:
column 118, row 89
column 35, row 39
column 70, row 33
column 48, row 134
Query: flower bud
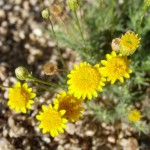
column 45, row 13
column 22, row 73
column 73, row 4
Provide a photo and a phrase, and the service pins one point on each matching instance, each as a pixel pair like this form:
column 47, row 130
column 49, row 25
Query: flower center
column 117, row 67
column 51, row 119
column 86, row 78
column 20, row 97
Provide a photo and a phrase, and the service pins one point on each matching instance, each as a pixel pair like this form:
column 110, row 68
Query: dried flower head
column 52, row 120
column 56, row 10
column 72, row 105
column 85, row 80
column 22, row 73
column 73, row 4
column 116, row 67
column 134, row 115
column 50, row 68
column 45, row 13
column 129, row 43
column 115, row 45
column 20, row 97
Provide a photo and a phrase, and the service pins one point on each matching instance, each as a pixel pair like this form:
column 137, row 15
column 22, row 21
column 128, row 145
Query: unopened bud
column 45, row 13
column 22, row 73
column 115, row 45
column 73, row 4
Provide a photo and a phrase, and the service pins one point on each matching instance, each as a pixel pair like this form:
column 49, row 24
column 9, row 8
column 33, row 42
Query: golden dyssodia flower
column 116, row 67
column 129, row 43
column 20, row 97
column 52, row 120
column 72, row 105
column 85, row 80
column 134, row 115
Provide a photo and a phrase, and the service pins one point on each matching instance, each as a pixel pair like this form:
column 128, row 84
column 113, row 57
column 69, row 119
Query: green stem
column 41, row 81
column 62, row 61
column 2, row 86
column 141, row 19
column 79, row 28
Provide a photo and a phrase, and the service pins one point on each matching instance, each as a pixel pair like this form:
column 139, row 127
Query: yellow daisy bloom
column 134, row 115
column 129, row 43
column 72, row 105
column 85, row 80
column 20, row 97
column 52, row 120
column 116, row 67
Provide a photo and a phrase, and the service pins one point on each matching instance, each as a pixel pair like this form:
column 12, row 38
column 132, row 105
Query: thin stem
column 2, row 86
column 141, row 19
column 57, row 43
column 41, row 81
column 79, row 28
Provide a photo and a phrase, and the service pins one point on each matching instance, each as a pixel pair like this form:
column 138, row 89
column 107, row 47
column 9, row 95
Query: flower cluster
column 84, row 82
column 128, row 43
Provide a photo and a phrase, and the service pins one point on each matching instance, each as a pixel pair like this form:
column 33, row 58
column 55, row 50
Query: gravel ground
column 23, row 42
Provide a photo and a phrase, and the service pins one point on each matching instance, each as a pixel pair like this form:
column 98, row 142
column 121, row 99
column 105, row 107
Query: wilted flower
column 50, row 68
column 56, row 10
column 115, row 45
column 70, row 104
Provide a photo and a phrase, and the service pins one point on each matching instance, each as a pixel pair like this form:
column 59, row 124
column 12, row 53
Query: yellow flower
column 129, row 43
column 20, row 97
column 72, row 105
column 116, row 67
column 134, row 115
column 85, row 80
column 52, row 120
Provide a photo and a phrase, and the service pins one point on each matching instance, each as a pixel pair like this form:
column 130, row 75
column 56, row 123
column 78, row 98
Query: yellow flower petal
column 20, row 97
column 51, row 120
column 85, row 79
column 116, row 68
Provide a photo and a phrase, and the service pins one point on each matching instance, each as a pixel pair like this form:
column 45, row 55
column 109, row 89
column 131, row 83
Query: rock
column 129, row 144
column 111, row 139
column 5, row 144
column 2, row 14
column 89, row 133
column 70, row 128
